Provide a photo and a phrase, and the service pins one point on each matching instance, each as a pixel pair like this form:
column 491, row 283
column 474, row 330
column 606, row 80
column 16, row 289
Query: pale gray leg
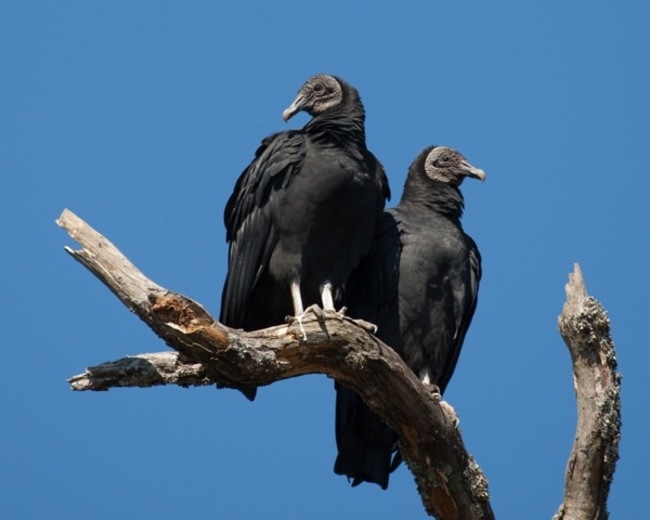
column 296, row 298
column 297, row 306
column 326, row 297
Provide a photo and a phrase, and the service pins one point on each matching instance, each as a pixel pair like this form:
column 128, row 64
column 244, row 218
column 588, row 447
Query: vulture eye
column 318, row 88
column 444, row 160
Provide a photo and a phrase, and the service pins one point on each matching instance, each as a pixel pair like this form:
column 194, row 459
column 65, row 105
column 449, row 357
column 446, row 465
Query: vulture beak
column 472, row 171
column 295, row 107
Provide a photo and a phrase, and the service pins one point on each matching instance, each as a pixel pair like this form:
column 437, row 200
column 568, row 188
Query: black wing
column 373, row 286
column 249, row 227
column 465, row 299
column 440, row 269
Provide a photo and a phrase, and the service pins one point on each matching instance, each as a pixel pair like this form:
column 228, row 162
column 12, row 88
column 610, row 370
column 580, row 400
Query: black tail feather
column 365, row 444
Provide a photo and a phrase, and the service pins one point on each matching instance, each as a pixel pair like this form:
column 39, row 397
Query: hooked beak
column 295, row 107
column 473, row 171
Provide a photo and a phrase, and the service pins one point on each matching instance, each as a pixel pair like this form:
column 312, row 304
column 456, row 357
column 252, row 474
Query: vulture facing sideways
column 303, row 213
column 419, row 285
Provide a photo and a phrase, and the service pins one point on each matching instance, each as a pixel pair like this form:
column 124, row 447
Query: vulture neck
column 343, row 126
column 435, row 196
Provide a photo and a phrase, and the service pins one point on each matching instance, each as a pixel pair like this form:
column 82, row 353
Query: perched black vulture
column 419, row 284
column 304, row 212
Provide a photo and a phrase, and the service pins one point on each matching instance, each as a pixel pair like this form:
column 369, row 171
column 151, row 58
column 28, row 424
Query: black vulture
column 303, row 213
column 419, row 284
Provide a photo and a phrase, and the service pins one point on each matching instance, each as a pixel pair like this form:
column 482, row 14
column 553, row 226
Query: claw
column 315, row 310
column 366, row 325
column 302, row 329
column 291, row 319
column 321, row 314
column 450, row 413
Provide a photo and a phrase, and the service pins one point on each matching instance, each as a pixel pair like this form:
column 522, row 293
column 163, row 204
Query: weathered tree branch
column 450, row 483
column 585, row 328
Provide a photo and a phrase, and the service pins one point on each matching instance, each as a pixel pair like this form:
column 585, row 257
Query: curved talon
column 450, row 413
column 291, row 319
column 366, row 325
column 302, row 329
column 332, row 313
column 434, row 391
column 315, row 310
column 321, row 315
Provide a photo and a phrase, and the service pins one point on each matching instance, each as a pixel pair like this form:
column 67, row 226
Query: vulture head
column 449, row 166
column 318, row 94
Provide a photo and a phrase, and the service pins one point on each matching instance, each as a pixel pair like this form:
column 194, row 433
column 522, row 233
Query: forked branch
column 450, row 483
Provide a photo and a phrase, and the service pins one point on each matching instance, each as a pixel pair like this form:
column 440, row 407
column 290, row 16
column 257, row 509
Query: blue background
column 139, row 116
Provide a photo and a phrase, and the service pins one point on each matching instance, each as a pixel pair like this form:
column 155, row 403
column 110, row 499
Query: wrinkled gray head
column 449, row 166
column 318, row 94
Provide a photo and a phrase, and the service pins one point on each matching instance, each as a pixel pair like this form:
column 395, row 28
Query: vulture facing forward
column 303, row 213
column 419, row 284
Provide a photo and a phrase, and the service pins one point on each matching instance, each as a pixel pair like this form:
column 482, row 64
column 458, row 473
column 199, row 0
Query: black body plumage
column 303, row 213
column 419, row 284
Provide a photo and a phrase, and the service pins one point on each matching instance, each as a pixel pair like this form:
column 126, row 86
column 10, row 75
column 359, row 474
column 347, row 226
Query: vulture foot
column 450, row 413
column 315, row 310
column 366, row 325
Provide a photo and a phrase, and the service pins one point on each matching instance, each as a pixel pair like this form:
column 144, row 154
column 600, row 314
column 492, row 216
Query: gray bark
column 584, row 325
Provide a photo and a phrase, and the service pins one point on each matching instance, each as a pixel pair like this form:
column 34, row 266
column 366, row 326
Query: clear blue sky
column 139, row 116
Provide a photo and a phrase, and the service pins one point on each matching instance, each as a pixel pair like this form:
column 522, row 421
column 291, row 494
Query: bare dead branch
column 450, row 483
column 143, row 370
column 584, row 325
